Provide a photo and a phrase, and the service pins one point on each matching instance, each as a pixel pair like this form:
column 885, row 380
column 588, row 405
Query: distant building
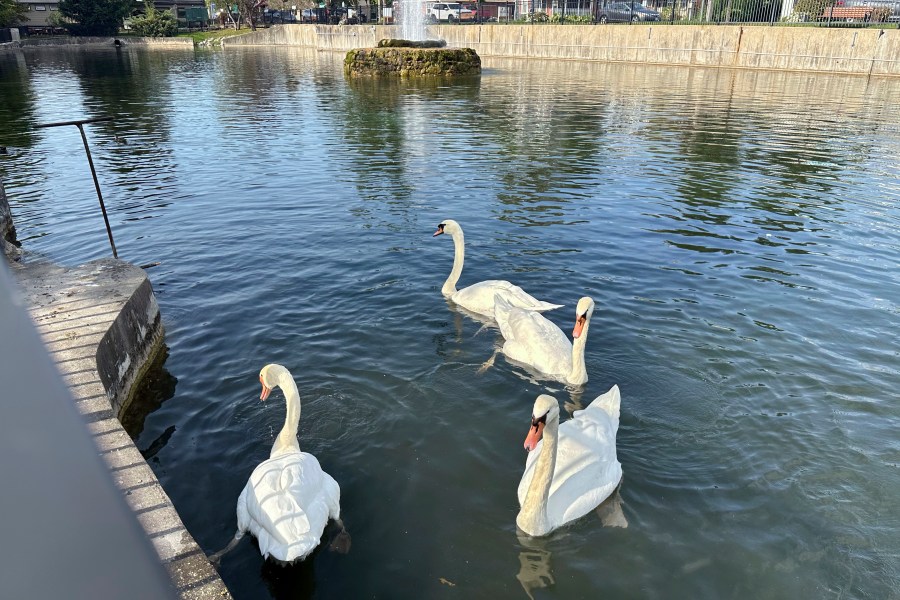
column 37, row 19
column 38, row 14
column 180, row 8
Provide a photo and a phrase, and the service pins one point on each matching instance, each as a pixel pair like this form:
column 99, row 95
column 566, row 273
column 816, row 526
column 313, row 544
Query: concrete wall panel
column 836, row 50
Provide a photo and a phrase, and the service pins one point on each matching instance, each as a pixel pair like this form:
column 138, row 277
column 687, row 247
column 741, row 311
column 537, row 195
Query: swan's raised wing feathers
column 479, row 297
column 587, row 470
column 533, row 340
column 287, row 503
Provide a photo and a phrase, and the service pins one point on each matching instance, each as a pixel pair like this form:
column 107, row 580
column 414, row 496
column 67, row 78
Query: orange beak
column 438, row 232
column 579, row 326
column 265, row 391
column 534, row 436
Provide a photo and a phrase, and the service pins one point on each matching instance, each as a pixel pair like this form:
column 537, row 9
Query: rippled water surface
column 739, row 232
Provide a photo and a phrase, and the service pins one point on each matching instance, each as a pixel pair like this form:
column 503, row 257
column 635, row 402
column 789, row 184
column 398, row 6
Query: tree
column 248, row 10
column 811, row 9
column 96, row 17
column 155, row 23
column 11, row 13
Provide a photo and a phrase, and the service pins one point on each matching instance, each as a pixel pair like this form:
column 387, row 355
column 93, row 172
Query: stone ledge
column 101, row 324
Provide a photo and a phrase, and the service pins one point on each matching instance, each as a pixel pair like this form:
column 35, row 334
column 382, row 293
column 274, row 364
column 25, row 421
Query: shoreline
column 102, row 327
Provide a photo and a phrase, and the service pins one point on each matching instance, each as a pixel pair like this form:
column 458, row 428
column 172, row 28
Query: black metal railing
column 80, row 125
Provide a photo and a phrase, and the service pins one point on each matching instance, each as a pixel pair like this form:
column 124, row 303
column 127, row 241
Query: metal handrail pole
column 80, row 125
column 97, row 186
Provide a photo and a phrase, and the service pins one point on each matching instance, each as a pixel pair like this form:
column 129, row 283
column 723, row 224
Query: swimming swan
column 573, row 468
column 289, row 498
column 531, row 339
column 479, row 297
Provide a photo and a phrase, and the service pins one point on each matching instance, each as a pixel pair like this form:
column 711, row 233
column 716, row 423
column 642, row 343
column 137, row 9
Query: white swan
column 531, row 339
column 479, row 297
column 574, row 468
column 289, row 498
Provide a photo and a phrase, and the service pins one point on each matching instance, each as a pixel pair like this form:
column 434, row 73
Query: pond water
column 739, row 232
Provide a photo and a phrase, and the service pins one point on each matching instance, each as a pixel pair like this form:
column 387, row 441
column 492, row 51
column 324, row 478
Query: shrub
column 880, row 14
column 155, row 23
column 810, row 10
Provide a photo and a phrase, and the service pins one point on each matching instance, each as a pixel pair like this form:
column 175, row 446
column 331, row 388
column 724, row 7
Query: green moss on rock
column 412, row 62
column 398, row 43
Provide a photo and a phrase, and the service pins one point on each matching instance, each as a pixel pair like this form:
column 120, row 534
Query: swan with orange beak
column 571, row 468
column 534, row 341
column 288, row 499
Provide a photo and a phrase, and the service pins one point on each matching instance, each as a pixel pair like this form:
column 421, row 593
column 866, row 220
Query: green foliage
column 155, row 23
column 812, row 8
column 559, row 18
column 880, row 14
column 212, row 37
column 740, row 11
column 55, row 19
column 11, row 13
column 95, row 17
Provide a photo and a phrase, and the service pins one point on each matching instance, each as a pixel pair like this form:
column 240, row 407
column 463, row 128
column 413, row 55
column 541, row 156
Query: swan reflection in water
column 535, row 570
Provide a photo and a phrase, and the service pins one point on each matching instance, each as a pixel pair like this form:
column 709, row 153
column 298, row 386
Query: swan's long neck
column 287, row 439
column 578, row 375
column 459, row 256
column 532, row 519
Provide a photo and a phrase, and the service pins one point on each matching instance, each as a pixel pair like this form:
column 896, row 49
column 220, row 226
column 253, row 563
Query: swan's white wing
column 533, row 340
column 479, row 297
column 287, row 503
column 587, row 470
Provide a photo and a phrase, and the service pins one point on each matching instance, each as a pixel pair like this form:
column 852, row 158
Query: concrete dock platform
column 101, row 325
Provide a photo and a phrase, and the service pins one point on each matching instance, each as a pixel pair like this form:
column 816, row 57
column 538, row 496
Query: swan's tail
column 541, row 306
column 217, row 557
column 610, row 402
column 501, row 308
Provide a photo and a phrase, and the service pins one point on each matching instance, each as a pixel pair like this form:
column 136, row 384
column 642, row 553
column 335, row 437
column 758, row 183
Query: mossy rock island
column 412, row 59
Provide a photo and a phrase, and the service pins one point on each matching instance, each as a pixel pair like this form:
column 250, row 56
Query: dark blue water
column 739, row 232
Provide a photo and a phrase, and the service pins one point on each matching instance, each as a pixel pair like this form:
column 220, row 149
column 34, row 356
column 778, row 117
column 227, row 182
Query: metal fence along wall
column 822, row 13
column 825, row 13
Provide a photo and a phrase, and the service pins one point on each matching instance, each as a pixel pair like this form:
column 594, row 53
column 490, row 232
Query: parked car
column 343, row 16
column 622, row 12
column 449, row 11
column 279, row 16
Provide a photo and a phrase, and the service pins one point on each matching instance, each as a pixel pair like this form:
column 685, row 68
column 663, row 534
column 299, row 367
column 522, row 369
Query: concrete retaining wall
column 100, row 323
column 8, row 243
column 125, row 41
column 128, row 344
column 857, row 51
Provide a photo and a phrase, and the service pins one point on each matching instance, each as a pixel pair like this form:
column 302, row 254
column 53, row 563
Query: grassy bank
column 214, row 36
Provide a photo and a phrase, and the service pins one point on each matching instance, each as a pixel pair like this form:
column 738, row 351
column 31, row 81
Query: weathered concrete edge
column 809, row 50
column 105, row 42
column 9, row 245
column 74, row 333
column 123, row 356
column 127, row 347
